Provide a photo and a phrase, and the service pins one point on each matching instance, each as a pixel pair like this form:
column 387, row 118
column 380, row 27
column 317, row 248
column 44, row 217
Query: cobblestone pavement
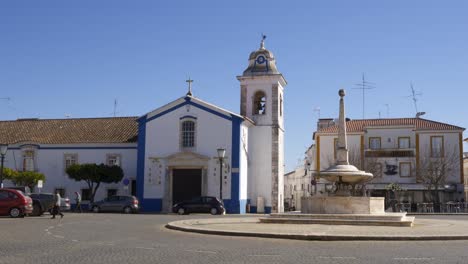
column 116, row 238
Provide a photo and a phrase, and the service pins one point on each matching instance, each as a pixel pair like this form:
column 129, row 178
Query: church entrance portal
column 186, row 183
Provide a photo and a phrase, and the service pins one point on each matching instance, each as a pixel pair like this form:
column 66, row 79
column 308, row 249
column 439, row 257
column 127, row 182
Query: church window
column 188, row 134
column 259, row 103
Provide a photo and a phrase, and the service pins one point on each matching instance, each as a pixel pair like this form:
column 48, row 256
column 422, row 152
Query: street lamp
column 3, row 150
column 221, row 153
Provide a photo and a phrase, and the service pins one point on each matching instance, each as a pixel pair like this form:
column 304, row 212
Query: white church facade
column 171, row 153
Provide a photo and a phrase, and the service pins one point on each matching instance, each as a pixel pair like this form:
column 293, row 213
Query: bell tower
column 262, row 87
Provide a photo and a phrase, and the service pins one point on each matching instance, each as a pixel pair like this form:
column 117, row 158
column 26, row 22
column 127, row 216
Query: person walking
column 56, row 209
column 78, row 202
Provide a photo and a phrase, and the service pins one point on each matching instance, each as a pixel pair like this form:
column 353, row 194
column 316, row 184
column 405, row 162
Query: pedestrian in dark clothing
column 78, row 202
column 56, row 209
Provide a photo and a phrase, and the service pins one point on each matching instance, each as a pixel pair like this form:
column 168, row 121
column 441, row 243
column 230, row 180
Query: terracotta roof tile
column 358, row 125
column 70, row 131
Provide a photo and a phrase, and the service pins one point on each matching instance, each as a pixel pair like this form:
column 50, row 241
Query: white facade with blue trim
column 253, row 166
column 170, row 154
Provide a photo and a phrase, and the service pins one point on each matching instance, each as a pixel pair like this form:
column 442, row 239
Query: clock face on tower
column 260, row 59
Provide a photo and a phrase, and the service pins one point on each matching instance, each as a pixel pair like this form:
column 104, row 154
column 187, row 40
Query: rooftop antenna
column 388, row 110
column 189, row 81
column 317, row 109
column 413, row 96
column 365, row 85
column 115, row 106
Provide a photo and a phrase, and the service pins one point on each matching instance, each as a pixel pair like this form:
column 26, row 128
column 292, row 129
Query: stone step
column 385, row 217
column 402, row 222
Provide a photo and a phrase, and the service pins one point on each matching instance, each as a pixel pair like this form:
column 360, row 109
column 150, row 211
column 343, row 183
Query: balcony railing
column 392, row 153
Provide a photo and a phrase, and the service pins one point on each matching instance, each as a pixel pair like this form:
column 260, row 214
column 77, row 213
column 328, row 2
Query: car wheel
column 15, row 212
column 213, row 211
column 36, row 210
column 127, row 210
column 96, row 209
column 181, row 211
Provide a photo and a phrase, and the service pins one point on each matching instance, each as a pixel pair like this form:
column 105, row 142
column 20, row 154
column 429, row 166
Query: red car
column 14, row 203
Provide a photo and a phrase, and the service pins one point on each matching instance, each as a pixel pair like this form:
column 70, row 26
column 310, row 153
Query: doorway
column 186, row 184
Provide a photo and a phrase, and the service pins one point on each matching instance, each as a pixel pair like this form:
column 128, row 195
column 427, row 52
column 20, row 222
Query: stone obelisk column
column 342, row 151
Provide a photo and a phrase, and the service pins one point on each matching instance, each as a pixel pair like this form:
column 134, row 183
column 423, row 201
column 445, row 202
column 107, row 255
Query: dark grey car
column 118, row 203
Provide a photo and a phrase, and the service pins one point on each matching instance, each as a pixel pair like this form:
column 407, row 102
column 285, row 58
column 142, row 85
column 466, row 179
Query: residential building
column 410, row 152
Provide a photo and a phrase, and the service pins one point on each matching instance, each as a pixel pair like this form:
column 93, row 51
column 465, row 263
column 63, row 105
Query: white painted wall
column 260, row 164
column 51, row 163
column 212, row 132
column 244, row 160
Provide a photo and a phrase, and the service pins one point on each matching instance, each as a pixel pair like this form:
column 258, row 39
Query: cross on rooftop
column 189, row 81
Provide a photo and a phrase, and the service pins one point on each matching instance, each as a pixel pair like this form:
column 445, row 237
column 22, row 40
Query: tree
column 25, row 178
column 9, row 174
column 434, row 171
column 94, row 175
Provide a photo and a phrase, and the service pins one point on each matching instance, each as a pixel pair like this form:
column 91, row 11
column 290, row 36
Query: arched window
column 188, row 134
column 259, row 103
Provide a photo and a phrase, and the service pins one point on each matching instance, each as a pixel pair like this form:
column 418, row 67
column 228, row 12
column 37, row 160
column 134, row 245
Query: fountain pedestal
column 342, row 205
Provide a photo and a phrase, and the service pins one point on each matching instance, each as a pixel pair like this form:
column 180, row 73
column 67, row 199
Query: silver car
column 118, row 203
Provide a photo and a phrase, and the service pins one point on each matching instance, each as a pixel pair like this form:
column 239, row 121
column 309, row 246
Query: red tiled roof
column 358, row 125
column 70, row 131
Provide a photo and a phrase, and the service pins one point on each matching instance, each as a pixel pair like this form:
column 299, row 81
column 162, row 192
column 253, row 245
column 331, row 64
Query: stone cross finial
column 189, row 81
column 342, row 152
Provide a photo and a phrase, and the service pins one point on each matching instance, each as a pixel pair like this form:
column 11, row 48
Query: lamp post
column 221, row 153
column 3, row 150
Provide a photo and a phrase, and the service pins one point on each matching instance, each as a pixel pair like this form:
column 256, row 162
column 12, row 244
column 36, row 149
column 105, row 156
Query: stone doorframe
column 183, row 160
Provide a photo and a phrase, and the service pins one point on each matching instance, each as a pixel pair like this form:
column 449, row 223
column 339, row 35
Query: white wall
column 260, row 164
column 212, row 132
column 51, row 163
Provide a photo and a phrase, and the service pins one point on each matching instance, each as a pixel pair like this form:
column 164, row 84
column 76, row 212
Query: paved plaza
column 116, row 238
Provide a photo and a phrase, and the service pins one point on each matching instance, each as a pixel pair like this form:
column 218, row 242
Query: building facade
column 171, row 153
column 414, row 153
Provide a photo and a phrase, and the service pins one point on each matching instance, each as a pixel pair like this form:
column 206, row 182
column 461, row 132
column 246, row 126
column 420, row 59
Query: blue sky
column 75, row 58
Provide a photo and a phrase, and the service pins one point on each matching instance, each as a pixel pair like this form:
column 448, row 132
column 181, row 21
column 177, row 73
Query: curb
column 176, row 226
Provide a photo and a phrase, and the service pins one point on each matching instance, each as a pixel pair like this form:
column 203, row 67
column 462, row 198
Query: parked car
column 118, row 203
column 14, row 203
column 44, row 202
column 203, row 204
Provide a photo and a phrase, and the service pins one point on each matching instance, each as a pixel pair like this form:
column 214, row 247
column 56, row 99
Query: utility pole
column 365, row 85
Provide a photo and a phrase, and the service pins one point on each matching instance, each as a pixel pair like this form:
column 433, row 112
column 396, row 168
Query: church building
column 173, row 152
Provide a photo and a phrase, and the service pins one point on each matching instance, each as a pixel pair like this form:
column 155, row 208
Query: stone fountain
column 341, row 207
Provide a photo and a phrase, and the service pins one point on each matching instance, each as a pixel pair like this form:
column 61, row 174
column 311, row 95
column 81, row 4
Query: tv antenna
column 365, row 85
column 413, row 96
column 317, row 110
column 388, row 110
column 115, row 106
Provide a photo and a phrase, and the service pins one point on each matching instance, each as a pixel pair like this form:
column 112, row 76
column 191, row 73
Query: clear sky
column 74, row 58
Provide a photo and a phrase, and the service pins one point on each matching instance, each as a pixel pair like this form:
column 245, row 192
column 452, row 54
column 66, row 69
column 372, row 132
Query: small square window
column 405, row 169
column 85, row 194
column 404, row 142
column 113, row 160
column 374, row 143
column 70, row 159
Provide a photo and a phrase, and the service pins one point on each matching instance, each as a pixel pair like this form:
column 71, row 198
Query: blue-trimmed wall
column 141, row 160
column 235, row 205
